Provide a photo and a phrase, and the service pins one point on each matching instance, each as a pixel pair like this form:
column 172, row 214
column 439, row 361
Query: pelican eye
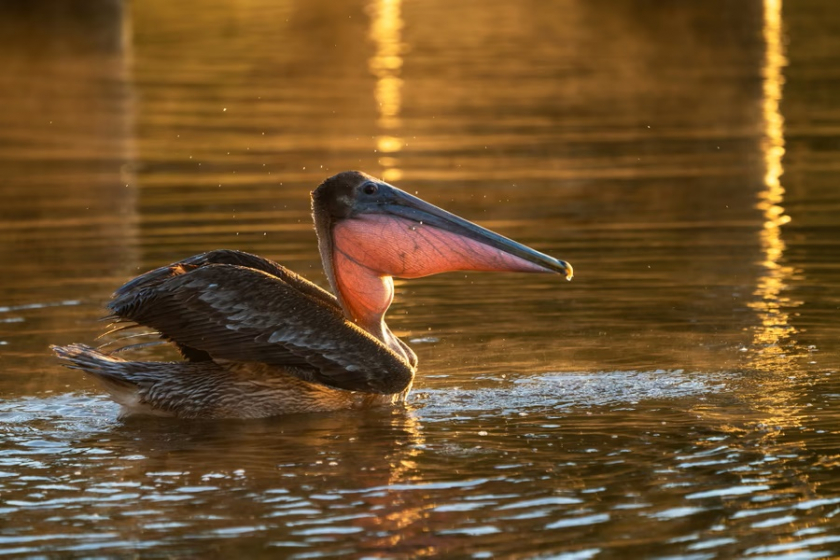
column 370, row 188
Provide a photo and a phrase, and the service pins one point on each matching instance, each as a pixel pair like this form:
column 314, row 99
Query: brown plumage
column 259, row 340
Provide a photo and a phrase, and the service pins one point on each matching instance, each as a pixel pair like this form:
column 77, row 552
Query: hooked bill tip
column 570, row 272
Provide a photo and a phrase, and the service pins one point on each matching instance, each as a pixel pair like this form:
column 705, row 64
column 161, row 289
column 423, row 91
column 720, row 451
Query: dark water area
column 678, row 399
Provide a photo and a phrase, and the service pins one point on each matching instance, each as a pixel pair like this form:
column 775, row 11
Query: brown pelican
column 259, row 340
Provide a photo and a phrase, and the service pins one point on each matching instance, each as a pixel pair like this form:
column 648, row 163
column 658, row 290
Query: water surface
column 677, row 399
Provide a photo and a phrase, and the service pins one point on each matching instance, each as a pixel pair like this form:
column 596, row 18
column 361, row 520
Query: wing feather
column 267, row 314
column 228, row 256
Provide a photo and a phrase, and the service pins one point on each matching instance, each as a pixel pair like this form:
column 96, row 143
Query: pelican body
column 258, row 340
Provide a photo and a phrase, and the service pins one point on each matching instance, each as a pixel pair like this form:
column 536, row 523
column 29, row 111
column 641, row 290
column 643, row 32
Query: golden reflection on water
column 775, row 328
column 386, row 64
column 776, row 395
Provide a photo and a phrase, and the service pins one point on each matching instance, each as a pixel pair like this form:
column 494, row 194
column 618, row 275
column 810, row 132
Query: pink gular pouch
column 395, row 246
column 370, row 248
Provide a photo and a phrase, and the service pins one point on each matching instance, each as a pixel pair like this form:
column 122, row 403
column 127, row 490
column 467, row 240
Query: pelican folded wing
column 236, row 313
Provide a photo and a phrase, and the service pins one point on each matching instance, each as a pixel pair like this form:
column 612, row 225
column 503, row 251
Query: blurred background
column 683, row 156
